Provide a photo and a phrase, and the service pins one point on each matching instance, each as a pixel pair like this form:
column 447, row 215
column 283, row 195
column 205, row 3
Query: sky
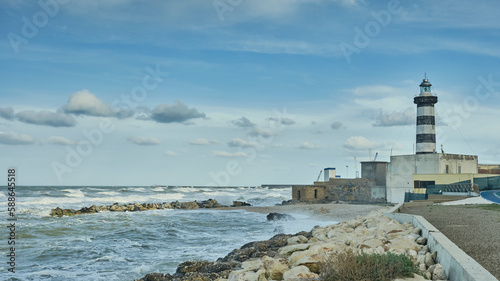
column 238, row 92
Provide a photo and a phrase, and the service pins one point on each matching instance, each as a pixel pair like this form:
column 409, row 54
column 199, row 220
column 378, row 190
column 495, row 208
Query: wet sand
column 327, row 212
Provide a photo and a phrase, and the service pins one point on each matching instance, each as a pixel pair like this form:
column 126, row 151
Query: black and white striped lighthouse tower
column 426, row 121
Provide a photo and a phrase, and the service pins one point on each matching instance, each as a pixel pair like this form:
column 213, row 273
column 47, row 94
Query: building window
column 447, row 168
column 459, row 169
column 298, row 196
column 315, row 194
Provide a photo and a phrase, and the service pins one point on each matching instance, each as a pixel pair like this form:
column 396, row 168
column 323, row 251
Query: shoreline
column 326, row 212
column 361, row 228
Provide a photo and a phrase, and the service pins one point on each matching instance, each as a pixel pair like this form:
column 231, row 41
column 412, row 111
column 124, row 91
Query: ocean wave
column 110, row 193
column 73, row 193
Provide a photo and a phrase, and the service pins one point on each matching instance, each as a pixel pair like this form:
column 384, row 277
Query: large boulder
column 189, row 205
column 274, row 268
column 298, row 273
column 240, row 204
column 258, row 249
column 279, row 217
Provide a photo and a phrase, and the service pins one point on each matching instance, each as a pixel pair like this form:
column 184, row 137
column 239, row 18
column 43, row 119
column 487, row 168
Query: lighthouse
column 426, row 121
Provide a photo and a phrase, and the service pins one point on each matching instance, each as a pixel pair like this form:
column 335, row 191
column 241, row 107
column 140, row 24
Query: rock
column 424, row 250
column 240, row 204
column 56, row 212
column 429, row 260
column 258, row 249
column 240, row 275
column 422, row 268
column 300, row 239
column 288, row 250
column 189, row 205
column 279, row 217
column 421, row 240
column 252, row 265
column 371, row 243
column 417, row 231
column 274, row 268
column 210, row 203
column 298, row 273
column 293, row 240
column 201, row 270
column 421, row 259
column 439, row 273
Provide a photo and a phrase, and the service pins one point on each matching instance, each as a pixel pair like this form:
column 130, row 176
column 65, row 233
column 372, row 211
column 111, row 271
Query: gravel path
column 473, row 228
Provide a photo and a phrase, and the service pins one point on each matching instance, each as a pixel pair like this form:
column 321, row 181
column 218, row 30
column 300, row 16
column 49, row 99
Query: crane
column 321, row 171
column 375, row 158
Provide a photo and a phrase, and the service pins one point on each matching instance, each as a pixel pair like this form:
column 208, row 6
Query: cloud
column 237, row 142
column 170, row 153
column 202, row 142
column 395, row 118
column 7, row 113
column 308, row 145
column 61, row 141
column 12, row 138
column 86, row 103
column 230, row 155
column 243, row 122
column 359, row 143
column 258, row 132
column 336, row 125
column 143, row 140
column 175, row 113
column 46, row 118
column 282, row 120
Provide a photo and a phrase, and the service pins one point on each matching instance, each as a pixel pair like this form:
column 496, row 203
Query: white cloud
column 401, row 118
column 143, row 140
column 61, row 141
column 258, row 132
column 86, row 103
column 175, row 113
column 171, row 153
column 229, row 154
column 46, row 118
column 359, row 143
column 237, row 142
column 12, row 138
column 202, row 142
column 308, row 145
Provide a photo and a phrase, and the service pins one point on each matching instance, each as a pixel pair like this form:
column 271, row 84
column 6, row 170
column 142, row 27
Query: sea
column 128, row 245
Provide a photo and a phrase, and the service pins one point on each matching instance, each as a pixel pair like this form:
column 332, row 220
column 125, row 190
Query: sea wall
column 457, row 264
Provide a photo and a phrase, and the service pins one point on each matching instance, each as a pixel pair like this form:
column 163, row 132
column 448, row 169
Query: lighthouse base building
column 416, row 172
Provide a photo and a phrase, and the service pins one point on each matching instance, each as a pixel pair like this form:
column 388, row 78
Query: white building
column 329, row 173
column 403, row 168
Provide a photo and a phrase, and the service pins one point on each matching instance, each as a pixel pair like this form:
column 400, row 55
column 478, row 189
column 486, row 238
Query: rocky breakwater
column 210, row 203
column 300, row 256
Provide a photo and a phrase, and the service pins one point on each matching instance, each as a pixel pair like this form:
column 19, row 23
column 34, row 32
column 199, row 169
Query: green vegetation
column 489, row 207
column 349, row 266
